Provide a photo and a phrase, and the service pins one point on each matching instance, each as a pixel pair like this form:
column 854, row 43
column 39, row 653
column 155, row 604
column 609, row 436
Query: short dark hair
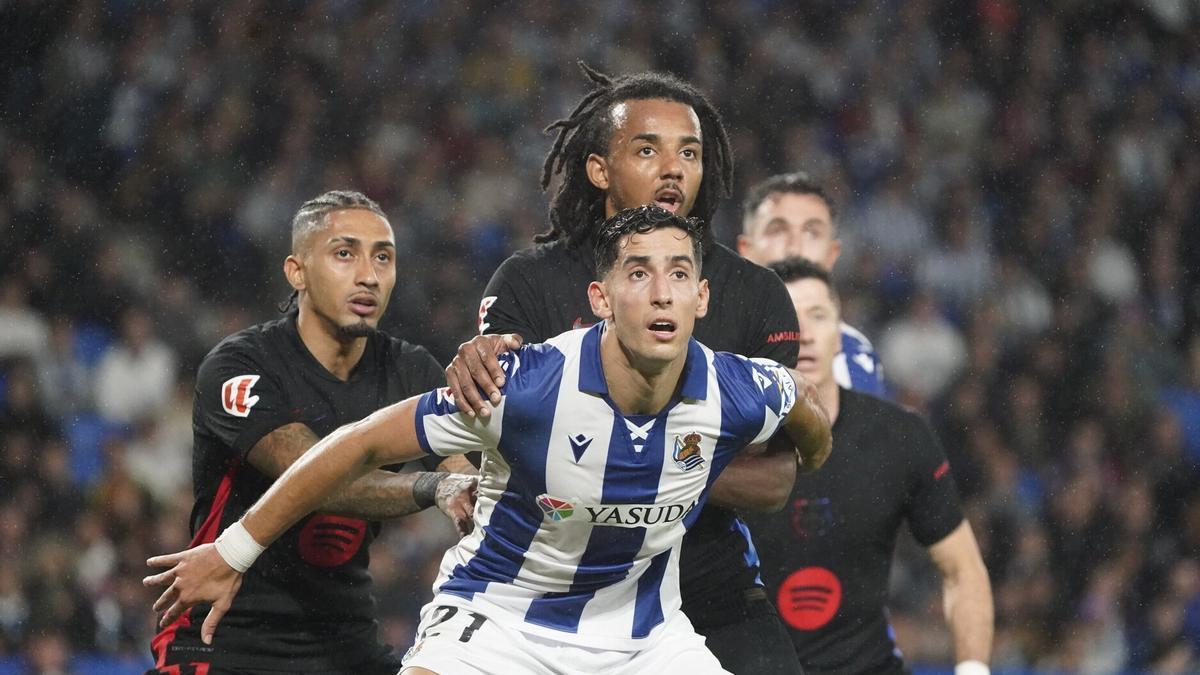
column 311, row 215
column 578, row 206
column 640, row 220
column 797, row 268
column 797, row 182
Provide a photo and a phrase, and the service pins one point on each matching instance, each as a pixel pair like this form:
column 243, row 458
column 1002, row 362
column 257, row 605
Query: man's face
column 820, row 328
column 652, row 296
column 346, row 270
column 788, row 225
column 654, row 157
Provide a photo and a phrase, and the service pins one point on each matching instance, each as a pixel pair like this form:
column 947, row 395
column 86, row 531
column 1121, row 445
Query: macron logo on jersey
column 235, row 395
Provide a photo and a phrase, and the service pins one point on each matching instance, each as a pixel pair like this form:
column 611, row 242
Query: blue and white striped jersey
column 581, row 509
column 856, row 366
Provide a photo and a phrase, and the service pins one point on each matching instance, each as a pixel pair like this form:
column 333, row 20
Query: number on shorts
column 468, row 632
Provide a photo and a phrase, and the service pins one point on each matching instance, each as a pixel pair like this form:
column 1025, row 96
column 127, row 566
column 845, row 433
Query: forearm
column 756, row 480
column 808, row 426
column 387, row 436
column 967, row 603
column 380, row 495
column 966, row 593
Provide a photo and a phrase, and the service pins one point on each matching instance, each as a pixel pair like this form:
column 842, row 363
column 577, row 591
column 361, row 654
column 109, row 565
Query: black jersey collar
column 365, row 363
column 591, row 371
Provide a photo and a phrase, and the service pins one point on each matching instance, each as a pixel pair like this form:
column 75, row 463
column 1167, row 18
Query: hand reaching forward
column 197, row 576
column 456, row 498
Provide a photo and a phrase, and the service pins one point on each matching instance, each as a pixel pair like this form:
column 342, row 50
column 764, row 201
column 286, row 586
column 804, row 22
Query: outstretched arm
column 967, row 595
column 378, row 494
column 808, row 426
column 205, row 574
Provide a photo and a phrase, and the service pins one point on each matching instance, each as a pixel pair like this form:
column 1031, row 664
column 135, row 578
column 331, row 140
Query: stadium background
column 1019, row 209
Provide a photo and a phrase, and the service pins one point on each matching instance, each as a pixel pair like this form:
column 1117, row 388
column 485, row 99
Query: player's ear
column 293, row 269
column 743, row 245
column 597, row 171
column 702, row 306
column 835, row 250
column 598, row 296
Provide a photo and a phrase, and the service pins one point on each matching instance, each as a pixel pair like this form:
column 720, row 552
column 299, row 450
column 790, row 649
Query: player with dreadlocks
column 651, row 138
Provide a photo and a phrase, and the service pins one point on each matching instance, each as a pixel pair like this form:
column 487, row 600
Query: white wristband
column 238, row 548
column 972, row 668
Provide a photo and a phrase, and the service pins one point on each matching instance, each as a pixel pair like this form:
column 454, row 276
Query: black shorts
column 752, row 640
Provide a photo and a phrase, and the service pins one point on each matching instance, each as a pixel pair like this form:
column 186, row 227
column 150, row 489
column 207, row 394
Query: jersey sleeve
column 509, row 302
column 858, row 367
column 777, row 336
column 238, row 401
column 756, row 396
column 933, row 509
column 423, row 373
column 442, row 429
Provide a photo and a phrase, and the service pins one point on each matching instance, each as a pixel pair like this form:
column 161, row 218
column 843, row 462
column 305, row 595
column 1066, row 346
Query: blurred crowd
column 1019, row 196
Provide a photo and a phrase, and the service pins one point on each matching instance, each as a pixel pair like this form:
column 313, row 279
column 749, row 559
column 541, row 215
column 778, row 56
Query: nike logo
column 579, row 443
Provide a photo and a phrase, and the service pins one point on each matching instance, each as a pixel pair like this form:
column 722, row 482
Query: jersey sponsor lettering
column 235, row 395
column 614, row 515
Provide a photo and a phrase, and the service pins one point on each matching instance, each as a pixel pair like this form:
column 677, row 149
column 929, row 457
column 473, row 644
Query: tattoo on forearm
column 425, row 488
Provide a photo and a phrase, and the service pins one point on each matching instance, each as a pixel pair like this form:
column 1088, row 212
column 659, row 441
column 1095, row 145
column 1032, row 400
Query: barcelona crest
column 687, row 453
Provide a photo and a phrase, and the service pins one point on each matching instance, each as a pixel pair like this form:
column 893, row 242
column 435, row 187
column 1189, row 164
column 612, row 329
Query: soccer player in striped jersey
column 596, row 460
column 791, row 215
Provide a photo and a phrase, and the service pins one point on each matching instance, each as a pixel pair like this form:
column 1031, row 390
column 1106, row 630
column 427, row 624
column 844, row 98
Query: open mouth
column 669, row 199
column 663, row 329
column 363, row 305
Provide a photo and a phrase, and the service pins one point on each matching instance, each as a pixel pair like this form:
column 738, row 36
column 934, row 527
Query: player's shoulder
column 539, row 259
column 254, row 344
column 854, row 340
column 401, row 351
column 734, row 371
column 742, row 283
column 533, row 366
column 880, row 413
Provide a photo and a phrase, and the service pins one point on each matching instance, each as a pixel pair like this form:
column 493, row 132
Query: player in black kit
column 827, row 556
column 263, row 397
column 634, row 140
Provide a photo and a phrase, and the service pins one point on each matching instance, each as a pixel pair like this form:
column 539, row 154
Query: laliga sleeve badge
column 235, row 395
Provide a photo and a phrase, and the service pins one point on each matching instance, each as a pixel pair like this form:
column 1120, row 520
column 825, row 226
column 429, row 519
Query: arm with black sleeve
column 242, row 404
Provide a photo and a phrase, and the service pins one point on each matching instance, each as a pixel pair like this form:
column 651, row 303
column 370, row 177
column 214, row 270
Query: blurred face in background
column 655, row 156
column 345, row 271
column 790, row 224
column 820, row 328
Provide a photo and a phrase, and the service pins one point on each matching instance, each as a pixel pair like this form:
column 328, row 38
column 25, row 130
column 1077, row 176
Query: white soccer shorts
column 457, row 641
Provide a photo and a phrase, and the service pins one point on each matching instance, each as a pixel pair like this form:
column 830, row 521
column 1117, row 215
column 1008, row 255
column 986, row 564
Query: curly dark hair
column 578, row 206
column 640, row 220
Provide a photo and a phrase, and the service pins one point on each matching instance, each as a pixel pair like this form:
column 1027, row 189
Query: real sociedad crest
column 687, row 453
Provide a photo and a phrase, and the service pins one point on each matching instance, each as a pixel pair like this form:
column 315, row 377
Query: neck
column 337, row 354
column 830, row 396
column 637, row 387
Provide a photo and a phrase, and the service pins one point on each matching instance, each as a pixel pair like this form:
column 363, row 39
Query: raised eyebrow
column 634, row 260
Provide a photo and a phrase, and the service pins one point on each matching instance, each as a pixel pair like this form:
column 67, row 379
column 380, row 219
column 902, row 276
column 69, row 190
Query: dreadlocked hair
column 578, row 206
column 311, row 217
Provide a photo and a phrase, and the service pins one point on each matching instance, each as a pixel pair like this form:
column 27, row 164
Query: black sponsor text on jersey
column 542, row 291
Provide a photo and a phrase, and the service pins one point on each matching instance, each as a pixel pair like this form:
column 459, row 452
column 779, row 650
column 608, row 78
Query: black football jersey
column 306, row 604
column 827, row 556
column 542, row 291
